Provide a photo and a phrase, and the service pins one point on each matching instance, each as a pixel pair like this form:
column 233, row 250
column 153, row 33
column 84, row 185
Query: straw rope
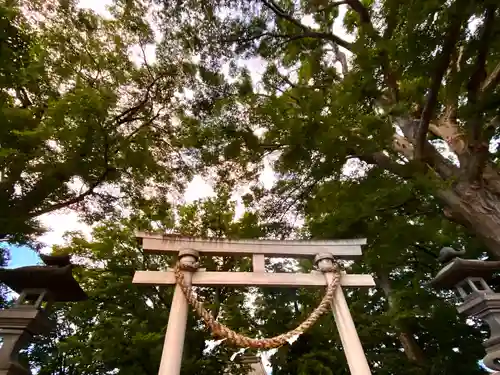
column 219, row 330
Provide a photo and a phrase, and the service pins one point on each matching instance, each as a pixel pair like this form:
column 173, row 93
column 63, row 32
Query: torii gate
column 188, row 251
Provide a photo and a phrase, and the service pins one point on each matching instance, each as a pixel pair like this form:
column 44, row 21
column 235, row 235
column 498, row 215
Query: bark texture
column 468, row 187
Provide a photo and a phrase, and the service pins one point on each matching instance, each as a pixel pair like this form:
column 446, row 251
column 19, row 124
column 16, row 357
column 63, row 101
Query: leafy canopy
column 410, row 89
column 86, row 124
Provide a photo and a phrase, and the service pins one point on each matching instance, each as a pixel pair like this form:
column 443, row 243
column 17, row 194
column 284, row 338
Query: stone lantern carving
column 468, row 278
column 38, row 288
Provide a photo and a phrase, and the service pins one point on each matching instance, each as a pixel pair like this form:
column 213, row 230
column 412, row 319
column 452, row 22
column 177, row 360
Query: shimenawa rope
column 221, row 331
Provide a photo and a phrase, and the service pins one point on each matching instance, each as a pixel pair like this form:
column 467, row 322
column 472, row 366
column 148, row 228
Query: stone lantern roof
column 459, row 269
column 55, row 277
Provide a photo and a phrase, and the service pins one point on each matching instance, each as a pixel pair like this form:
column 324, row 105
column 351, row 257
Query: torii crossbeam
column 188, row 251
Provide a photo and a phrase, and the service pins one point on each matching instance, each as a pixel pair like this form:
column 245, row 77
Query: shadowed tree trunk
column 472, row 194
column 411, row 348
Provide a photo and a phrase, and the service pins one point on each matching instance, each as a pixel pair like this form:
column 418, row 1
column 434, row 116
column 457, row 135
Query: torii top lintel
column 164, row 244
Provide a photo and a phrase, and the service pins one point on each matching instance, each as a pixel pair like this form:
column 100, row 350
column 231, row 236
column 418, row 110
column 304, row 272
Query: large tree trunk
column 473, row 196
column 410, row 346
column 478, row 210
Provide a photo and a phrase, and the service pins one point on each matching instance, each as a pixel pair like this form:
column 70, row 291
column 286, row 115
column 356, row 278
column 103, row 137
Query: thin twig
column 492, row 80
column 308, row 32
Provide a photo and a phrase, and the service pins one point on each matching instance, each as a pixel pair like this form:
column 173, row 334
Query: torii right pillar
column 353, row 350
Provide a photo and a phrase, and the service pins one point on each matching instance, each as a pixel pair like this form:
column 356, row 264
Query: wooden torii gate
column 188, row 251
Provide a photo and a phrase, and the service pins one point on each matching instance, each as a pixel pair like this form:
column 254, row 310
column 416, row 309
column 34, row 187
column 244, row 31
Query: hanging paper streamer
column 218, row 342
column 241, row 351
column 292, row 339
column 211, row 345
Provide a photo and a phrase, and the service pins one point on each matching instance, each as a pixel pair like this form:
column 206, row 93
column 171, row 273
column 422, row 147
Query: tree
column 401, row 255
column 404, row 324
column 84, row 126
column 121, row 326
column 412, row 90
column 322, row 102
column 318, row 107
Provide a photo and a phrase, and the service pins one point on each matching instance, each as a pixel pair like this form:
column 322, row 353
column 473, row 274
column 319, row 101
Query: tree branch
column 403, row 146
column 451, row 40
column 385, row 162
column 451, row 104
column 139, row 128
column 397, row 206
column 91, row 190
column 73, row 200
column 363, row 13
column 23, row 97
column 127, row 114
column 308, row 32
column 442, row 166
column 492, row 80
column 328, row 36
column 426, row 250
column 389, row 75
column 103, row 177
column 478, row 143
column 341, row 58
column 271, row 4
column 479, row 75
column 334, row 4
column 336, row 41
column 145, row 60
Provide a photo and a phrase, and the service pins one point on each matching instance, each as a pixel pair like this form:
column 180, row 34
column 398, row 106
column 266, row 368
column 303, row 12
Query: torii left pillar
column 176, row 329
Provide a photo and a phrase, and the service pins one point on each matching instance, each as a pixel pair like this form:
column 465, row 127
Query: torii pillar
column 188, row 251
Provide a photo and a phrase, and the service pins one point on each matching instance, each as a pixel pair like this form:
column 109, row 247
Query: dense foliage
column 121, row 326
column 408, row 89
column 83, row 124
column 379, row 118
column 404, row 325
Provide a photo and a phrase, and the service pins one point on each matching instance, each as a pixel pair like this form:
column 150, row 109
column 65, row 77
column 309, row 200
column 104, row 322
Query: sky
column 22, row 256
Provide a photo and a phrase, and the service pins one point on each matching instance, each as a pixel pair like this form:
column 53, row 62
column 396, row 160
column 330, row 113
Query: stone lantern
column 468, row 279
column 38, row 288
column 254, row 364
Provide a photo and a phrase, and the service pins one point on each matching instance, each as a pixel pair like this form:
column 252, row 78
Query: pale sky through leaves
column 60, row 222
